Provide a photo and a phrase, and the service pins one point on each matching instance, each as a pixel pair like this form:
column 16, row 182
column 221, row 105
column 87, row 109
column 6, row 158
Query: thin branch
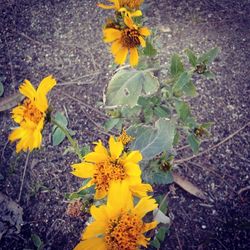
column 84, row 104
column 213, row 147
column 24, row 173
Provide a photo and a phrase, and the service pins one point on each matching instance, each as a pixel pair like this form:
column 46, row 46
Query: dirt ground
column 64, row 38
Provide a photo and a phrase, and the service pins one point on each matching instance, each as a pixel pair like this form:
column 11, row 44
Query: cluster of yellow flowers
column 124, row 34
column 116, row 174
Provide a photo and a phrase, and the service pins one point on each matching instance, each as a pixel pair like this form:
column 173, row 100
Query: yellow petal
column 99, row 213
column 119, row 197
column 111, row 35
column 132, row 169
column 106, row 7
column 100, row 194
column 142, row 41
column 100, row 149
column 18, row 113
column 134, row 156
column 136, row 13
column 90, row 244
column 28, row 90
column 134, row 57
column 129, row 22
column 144, row 31
column 95, row 229
column 46, row 85
column 145, row 205
column 143, row 241
column 121, row 55
column 115, row 147
column 149, row 226
column 115, row 47
column 140, row 189
column 83, row 170
column 95, row 157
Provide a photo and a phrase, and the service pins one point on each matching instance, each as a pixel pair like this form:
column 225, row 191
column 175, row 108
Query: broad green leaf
column 149, row 50
column 148, row 114
column 189, row 89
column 193, row 142
column 111, row 123
column 209, row 56
column 57, row 137
column 176, row 66
column 183, row 79
column 155, row 243
column 176, row 138
column 191, row 57
column 163, row 177
column 85, row 150
column 150, row 140
column 183, row 110
column 61, row 119
column 126, row 86
column 1, row 89
column 162, row 111
column 37, row 241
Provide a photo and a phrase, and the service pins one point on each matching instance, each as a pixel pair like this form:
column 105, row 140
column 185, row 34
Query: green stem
column 71, row 140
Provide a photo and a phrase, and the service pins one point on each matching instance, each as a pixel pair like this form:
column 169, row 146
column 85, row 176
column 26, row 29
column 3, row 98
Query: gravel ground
column 64, row 38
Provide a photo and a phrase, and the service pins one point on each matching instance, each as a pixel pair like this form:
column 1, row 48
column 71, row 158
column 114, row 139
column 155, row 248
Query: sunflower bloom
column 118, row 4
column 30, row 115
column 119, row 224
column 126, row 41
column 105, row 166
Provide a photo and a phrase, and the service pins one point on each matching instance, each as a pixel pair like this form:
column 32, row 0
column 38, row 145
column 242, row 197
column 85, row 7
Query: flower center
column 123, row 232
column 106, row 172
column 31, row 112
column 130, row 38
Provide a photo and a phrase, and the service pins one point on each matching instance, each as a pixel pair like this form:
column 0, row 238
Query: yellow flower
column 118, row 4
column 126, row 40
column 125, row 138
column 119, row 224
column 31, row 114
column 105, row 166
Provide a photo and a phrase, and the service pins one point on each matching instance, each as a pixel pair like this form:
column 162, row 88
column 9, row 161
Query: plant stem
column 67, row 134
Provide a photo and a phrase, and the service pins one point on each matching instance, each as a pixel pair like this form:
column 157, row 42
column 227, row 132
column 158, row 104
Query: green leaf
column 148, row 114
column 161, row 233
column 61, row 119
column 183, row 79
column 57, row 137
column 207, row 125
column 143, row 101
column 193, row 142
column 111, row 123
column 149, row 50
column 191, row 57
column 176, row 138
column 209, row 56
column 150, row 140
column 162, row 111
column 36, row 241
column 163, row 178
column 183, row 110
column 189, row 89
column 1, row 89
column 176, row 66
column 126, row 86
column 57, row 134
column 155, row 243
column 85, row 150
